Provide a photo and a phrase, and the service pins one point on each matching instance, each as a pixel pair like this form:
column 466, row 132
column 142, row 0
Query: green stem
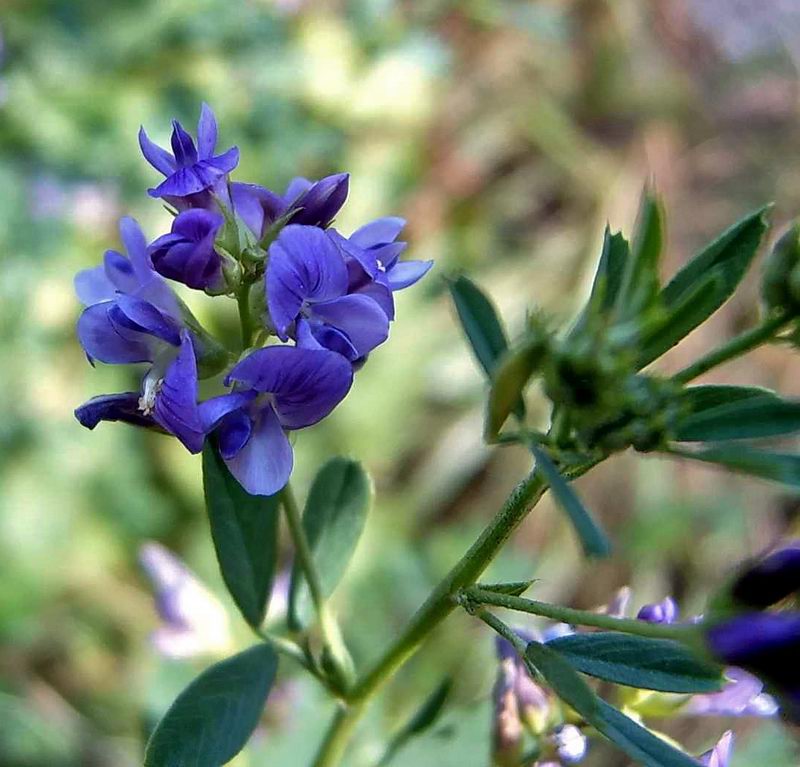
column 338, row 735
column 737, row 346
column 439, row 604
column 332, row 636
column 436, row 608
column 441, row 601
column 289, row 649
column 245, row 320
column 570, row 615
column 505, row 631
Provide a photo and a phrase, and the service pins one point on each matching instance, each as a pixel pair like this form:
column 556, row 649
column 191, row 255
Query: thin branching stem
column 478, row 596
column 736, row 347
column 332, row 635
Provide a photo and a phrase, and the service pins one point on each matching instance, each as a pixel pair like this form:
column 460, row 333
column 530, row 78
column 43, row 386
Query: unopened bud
column 780, row 282
column 506, row 724
column 770, row 580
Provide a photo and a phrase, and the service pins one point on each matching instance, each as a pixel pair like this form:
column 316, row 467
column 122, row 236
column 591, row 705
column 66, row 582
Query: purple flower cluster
column 328, row 300
column 521, row 704
column 764, row 643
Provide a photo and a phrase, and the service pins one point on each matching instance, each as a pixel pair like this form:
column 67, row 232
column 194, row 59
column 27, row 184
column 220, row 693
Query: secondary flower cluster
column 522, row 705
column 765, row 643
column 327, row 298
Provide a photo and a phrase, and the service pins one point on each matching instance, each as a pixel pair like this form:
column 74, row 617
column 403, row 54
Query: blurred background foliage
column 507, row 133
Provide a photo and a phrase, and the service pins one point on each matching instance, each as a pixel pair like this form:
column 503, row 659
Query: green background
column 507, row 133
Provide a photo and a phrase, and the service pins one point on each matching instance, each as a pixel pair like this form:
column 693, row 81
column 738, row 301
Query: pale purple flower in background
column 507, row 729
column 571, row 744
column 746, row 28
column 194, row 622
column 720, row 755
column 743, row 695
column 279, row 598
column 48, row 197
column 665, row 611
column 93, row 207
column 532, row 705
column 618, row 606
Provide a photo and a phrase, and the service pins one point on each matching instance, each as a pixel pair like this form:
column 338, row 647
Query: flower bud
column 319, row 202
column 780, row 282
column 767, row 645
column 770, row 580
column 665, row 611
column 187, row 254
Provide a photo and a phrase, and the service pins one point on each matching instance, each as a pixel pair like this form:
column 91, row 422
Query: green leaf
column 511, row 375
column 639, row 287
column 610, row 270
column 212, row 719
column 650, row 664
column 751, row 418
column 559, row 674
column 430, row 710
column 778, row 467
column 592, row 538
column 333, row 520
column 480, row 321
column 704, row 397
column 244, row 528
column 637, row 741
column 630, row 737
column 607, row 280
column 513, row 588
column 680, row 319
column 703, row 285
column 730, row 254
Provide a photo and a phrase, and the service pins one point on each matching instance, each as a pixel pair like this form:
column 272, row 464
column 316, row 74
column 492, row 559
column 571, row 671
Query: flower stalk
column 245, row 321
column 475, row 595
column 736, row 347
column 334, row 651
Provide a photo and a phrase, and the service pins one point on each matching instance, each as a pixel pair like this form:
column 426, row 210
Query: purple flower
column 316, row 202
column 187, row 254
column 507, row 729
column 194, row 622
column 571, row 744
column 278, row 388
column 310, row 203
column 133, row 316
column 665, row 611
column 168, row 399
column 307, row 296
column 769, row 580
column 532, row 702
column 720, row 755
column 743, row 695
column 131, row 275
column 767, row 645
column 190, row 170
column 374, row 266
